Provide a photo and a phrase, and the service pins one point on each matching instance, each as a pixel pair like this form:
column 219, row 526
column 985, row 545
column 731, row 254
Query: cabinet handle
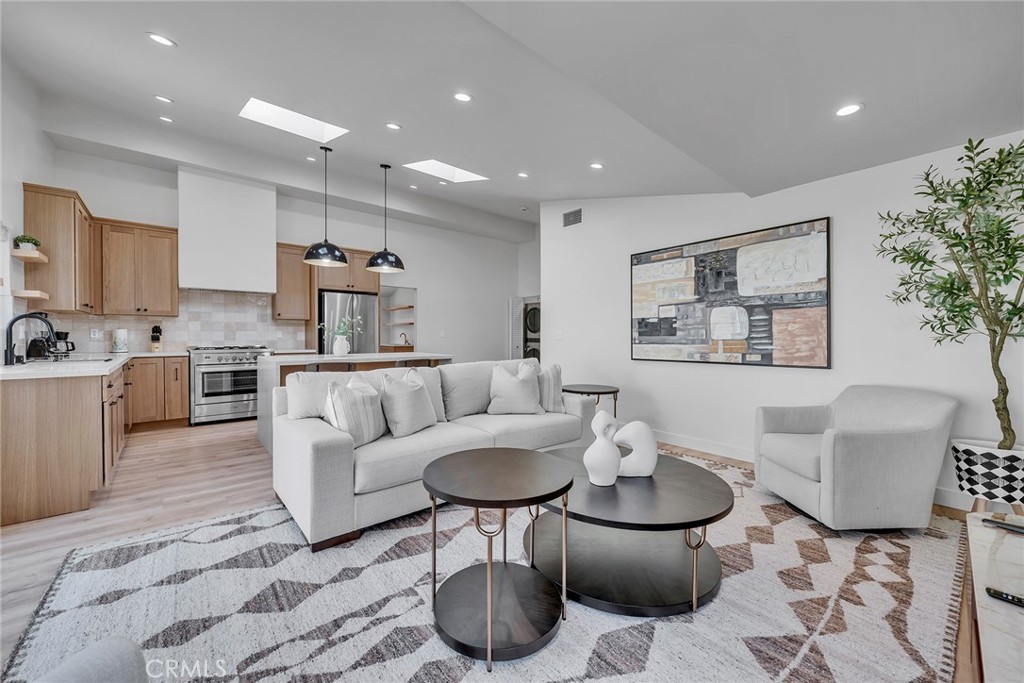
column 121, row 396
column 113, row 403
column 127, row 384
column 110, row 385
column 145, row 309
column 137, row 310
column 175, row 374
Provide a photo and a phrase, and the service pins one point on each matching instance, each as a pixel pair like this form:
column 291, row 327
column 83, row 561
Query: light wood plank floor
column 165, row 477
column 170, row 476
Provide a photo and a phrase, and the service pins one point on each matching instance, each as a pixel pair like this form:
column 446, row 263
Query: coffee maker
column 63, row 345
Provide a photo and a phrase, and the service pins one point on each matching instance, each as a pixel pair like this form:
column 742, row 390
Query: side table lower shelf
column 527, row 611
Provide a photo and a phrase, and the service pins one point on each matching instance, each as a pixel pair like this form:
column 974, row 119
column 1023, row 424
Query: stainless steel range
column 223, row 383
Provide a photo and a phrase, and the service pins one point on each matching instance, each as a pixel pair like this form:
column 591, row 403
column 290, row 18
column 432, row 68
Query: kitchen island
column 272, row 371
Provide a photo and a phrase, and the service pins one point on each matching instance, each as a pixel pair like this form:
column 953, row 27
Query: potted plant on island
column 963, row 256
column 26, row 243
column 342, row 331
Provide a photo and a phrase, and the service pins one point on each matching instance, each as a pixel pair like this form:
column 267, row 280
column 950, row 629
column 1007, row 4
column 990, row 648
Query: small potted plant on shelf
column 26, row 243
column 963, row 256
column 344, row 329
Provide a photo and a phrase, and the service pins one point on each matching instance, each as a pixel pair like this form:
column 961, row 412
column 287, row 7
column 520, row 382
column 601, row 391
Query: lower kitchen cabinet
column 159, row 389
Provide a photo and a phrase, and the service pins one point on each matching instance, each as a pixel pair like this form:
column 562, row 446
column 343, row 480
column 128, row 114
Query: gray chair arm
column 788, row 420
column 111, row 660
column 314, row 475
column 867, row 476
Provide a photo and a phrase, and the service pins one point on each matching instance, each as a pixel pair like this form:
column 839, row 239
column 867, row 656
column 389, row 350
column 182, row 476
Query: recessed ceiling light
column 163, row 40
column 463, row 97
column 441, row 182
column 291, row 121
column 596, row 166
column 165, row 100
column 522, row 208
column 523, row 175
column 393, row 126
column 310, row 158
column 849, row 109
column 166, row 119
column 412, row 187
column 439, row 169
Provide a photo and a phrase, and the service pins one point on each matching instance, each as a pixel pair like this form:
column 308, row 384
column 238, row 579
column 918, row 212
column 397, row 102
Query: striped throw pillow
column 355, row 409
column 550, row 381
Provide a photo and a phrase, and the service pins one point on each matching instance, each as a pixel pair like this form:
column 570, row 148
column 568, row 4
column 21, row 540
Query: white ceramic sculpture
column 644, row 458
column 602, row 457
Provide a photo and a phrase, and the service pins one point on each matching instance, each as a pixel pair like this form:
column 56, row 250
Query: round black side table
column 523, row 607
column 598, row 390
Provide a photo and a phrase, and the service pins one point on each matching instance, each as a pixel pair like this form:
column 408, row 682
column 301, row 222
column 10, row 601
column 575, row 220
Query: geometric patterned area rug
column 242, row 598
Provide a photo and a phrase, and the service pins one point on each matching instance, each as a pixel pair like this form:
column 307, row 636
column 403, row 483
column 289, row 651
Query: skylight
column 439, row 169
column 290, row 121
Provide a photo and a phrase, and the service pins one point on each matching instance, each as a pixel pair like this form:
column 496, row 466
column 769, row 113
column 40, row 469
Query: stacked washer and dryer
column 531, row 329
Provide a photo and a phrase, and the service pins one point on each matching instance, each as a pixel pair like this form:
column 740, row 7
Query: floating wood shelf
column 398, row 324
column 30, row 294
column 400, row 308
column 29, row 256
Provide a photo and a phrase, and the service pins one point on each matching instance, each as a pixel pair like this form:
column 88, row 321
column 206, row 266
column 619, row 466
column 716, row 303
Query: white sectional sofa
column 334, row 490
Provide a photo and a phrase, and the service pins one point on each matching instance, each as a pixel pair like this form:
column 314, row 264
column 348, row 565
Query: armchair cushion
column 799, row 453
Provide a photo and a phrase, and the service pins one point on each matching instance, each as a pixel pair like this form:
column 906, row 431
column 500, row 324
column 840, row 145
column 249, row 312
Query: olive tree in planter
column 963, row 261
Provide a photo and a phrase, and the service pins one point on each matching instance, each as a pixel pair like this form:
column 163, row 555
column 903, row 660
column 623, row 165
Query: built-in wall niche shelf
column 397, row 318
column 391, row 309
column 26, row 256
column 30, row 295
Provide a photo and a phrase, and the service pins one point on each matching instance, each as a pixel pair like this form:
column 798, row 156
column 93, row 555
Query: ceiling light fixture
column 165, row 100
column 166, row 119
column 596, row 166
column 413, row 187
column 163, row 40
column 385, row 261
column 291, row 121
column 439, row 169
column 310, row 158
column 393, row 126
column 523, row 175
column 849, row 109
column 463, row 97
column 441, row 182
column 324, row 253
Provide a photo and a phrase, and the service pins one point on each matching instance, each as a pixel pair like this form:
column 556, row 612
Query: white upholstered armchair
column 868, row 460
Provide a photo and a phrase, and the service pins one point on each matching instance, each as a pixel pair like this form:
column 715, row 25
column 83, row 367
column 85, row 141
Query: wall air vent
column 574, row 217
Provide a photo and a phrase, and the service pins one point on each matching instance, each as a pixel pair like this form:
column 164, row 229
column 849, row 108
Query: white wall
column 529, row 268
column 586, row 323
column 463, row 281
column 27, row 156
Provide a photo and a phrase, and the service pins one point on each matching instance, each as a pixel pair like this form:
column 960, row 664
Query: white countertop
column 99, row 364
column 997, row 560
column 305, row 359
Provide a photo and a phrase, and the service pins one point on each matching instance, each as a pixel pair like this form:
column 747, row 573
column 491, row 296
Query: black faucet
column 9, row 346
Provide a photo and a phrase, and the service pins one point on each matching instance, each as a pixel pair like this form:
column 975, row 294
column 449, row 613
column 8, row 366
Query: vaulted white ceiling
column 672, row 97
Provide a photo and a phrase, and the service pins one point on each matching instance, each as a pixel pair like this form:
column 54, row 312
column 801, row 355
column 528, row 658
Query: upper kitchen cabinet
column 73, row 276
column 291, row 301
column 140, row 270
column 354, row 278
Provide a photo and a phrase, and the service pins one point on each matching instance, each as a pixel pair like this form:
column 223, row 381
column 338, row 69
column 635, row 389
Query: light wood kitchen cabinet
column 61, row 221
column 354, row 278
column 140, row 270
column 291, row 301
column 147, row 402
column 176, row 399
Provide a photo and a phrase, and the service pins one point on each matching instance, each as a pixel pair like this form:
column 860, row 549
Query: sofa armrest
column 314, row 475
column 871, row 478
column 583, row 407
column 278, row 401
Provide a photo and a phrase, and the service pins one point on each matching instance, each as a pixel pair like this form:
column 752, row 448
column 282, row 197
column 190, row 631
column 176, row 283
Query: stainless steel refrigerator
column 333, row 306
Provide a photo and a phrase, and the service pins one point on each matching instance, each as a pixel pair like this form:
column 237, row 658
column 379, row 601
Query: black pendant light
column 385, row 261
column 324, row 253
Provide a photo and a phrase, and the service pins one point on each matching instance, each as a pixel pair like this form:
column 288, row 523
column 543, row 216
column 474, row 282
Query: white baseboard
column 713, row 447
column 953, row 498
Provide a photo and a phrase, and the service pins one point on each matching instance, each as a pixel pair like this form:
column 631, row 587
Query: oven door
column 224, row 384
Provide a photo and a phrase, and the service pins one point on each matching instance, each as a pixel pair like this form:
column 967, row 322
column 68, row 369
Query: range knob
column 234, row 358
column 220, row 359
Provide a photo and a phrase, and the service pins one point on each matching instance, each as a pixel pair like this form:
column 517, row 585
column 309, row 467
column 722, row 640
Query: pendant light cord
column 385, row 167
column 325, row 150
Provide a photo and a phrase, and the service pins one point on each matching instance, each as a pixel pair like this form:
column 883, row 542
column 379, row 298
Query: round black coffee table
column 523, row 607
column 633, row 547
column 598, row 390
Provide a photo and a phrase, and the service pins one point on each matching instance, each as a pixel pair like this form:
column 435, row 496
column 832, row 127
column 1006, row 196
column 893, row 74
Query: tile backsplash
column 205, row 318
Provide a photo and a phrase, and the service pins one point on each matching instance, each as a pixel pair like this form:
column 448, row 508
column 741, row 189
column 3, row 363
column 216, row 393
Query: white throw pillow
column 550, row 381
column 355, row 409
column 407, row 405
column 515, row 394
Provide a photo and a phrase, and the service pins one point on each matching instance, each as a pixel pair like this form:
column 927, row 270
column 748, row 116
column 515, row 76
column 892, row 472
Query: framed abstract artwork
column 757, row 298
